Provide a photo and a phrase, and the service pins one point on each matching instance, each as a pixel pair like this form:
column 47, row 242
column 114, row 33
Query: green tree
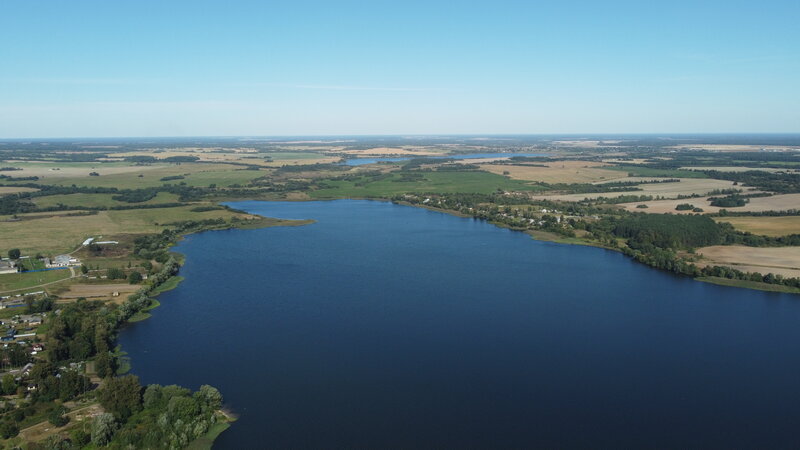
column 14, row 253
column 103, row 428
column 9, row 385
column 210, row 396
column 121, row 396
column 115, row 274
column 135, row 278
column 84, row 269
column 8, row 430
column 105, row 365
column 57, row 417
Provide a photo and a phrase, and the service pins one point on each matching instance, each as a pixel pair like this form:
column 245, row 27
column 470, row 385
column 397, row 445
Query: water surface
column 385, row 326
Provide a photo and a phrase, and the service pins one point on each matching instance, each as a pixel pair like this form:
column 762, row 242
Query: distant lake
column 362, row 161
column 387, row 326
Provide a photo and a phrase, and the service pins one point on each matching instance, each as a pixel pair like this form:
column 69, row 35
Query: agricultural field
column 781, row 202
column 127, row 176
column 778, row 260
column 556, row 172
column 4, row 190
column 48, row 171
column 687, row 186
column 439, row 182
column 50, row 233
column 99, row 291
column 638, row 171
column 768, row 226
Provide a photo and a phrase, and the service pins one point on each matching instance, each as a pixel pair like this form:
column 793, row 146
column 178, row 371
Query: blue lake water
column 362, row 161
column 383, row 325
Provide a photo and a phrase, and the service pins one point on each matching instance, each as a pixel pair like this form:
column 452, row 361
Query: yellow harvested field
column 769, row 226
column 557, row 172
column 15, row 190
column 775, row 203
column 778, row 260
column 687, row 186
column 100, row 291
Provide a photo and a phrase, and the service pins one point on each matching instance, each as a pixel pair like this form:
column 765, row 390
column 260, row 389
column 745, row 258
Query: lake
column 383, row 325
column 362, row 161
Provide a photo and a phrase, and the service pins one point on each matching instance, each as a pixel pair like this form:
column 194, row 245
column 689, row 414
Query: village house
column 61, row 261
column 7, row 266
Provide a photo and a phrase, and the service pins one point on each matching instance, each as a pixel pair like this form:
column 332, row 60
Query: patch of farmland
column 781, row 202
column 687, row 186
column 556, row 172
column 5, row 190
column 766, row 225
column 778, row 260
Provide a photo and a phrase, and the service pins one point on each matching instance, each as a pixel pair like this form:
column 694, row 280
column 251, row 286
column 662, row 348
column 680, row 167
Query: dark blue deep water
column 389, row 326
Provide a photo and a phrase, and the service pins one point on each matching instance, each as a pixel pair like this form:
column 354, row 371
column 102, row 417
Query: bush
column 57, row 417
column 135, row 278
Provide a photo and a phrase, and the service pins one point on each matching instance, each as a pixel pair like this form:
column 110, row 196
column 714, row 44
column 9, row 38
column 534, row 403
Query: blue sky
column 212, row 68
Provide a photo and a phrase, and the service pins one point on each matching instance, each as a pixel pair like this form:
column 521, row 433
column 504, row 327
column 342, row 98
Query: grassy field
column 61, row 233
column 769, row 226
column 17, row 281
column 98, row 200
column 32, row 264
column 434, row 182
column 126, row 176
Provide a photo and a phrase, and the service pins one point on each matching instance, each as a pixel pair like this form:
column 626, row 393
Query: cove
column 388, row 326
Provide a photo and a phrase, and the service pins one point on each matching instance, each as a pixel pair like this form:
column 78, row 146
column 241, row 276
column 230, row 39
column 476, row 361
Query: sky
column 264, row 68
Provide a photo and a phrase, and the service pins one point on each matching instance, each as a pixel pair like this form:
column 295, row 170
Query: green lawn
column 636, row 171
column 16, row 281
column 31, row 264
column 477, row 182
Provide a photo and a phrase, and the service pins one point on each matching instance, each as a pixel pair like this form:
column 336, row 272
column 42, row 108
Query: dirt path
column 43, row 430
